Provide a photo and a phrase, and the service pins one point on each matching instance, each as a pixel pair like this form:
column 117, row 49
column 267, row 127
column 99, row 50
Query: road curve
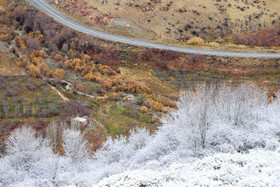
column 44, row 7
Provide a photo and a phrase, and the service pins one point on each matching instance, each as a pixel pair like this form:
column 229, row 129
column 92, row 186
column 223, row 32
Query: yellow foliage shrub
column 57, row 57
column 89, row 76
column 85, row 57
column 23, row 61
column 42, row 53
column 4, row 37
column 158, row 107
column 195, row 41
column 144, row 109
column 40, row 37
column 45, row 70
column 20, row 43
column 33, row 70
column 149, row 103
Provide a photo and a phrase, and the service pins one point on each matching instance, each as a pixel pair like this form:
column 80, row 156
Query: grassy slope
column 7, row 66
column 146, row 76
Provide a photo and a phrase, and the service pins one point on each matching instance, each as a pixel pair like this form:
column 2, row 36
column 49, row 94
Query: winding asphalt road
column 44, row 7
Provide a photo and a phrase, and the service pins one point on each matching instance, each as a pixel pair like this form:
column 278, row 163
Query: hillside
column 120, row 86
column 175, row 21
column 76, row 110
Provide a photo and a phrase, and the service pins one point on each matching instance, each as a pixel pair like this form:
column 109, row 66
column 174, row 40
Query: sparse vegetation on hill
column 175, row 21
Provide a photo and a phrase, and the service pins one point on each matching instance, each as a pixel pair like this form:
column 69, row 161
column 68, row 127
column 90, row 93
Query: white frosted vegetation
column 213, row 124
column 27, row 158
column 257, row 168
column 75, row 145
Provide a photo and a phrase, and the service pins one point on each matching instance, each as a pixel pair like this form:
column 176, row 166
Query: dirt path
column 65, row 99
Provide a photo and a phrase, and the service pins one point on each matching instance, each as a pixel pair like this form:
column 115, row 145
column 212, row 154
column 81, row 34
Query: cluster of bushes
column 104, row 75
column 269, row 37
column 86, row 56
column 155, row 103
column 32, row 56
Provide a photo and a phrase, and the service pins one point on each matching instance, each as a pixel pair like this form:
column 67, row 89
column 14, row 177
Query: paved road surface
column 44, row 7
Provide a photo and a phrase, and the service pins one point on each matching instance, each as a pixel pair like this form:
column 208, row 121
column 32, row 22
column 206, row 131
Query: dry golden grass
column 3, row 4
column 213, row 44
column 8, row 67
column 157, row 86
column 165, row 101
column 195, row 41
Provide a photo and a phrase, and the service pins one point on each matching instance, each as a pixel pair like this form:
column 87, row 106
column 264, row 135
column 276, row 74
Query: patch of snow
column 79, row 119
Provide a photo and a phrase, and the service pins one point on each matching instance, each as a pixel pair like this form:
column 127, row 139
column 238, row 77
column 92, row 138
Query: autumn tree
column 23, row 61
column 33, row 44
column 33, row 70
column 59, row 73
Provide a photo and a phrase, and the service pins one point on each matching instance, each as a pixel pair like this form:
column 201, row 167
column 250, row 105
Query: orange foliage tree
column 59, row 73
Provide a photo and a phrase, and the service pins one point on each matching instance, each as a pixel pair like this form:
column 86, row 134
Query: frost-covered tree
column 209, row 120
column 75, row 145
column 123, row 148
column 212, row 119
column 27, row 157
